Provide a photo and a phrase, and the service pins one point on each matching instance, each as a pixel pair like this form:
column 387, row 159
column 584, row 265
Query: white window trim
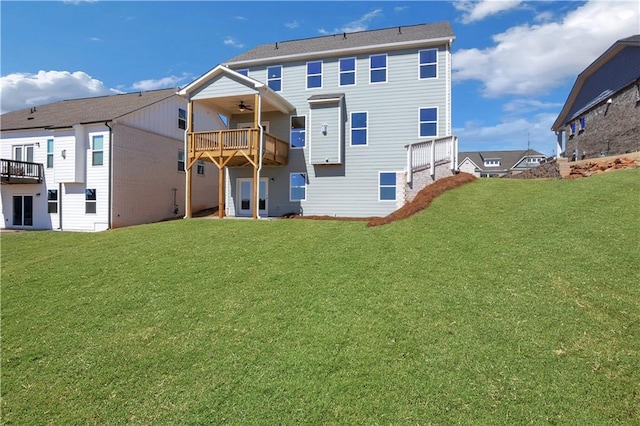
column 305, row 132
column 437, row 135
column 355, row 72
column 313, row 75
column 379, row 186
column 358, row 128
column 51, row 153
column 90, row 201
column 240, row 71
column 281, row 77
column 93, row 150
column 56, row 201
column 200, row 163
column 429, row 63
column 183, row 161
column 492, row 162
column 306, row 176
column 182, row 119
column 386, row 68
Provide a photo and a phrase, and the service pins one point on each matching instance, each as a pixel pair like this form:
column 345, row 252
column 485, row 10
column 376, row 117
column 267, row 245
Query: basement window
column 387, row 186
column 52, row 201
column 200, row 167
column 90, row 197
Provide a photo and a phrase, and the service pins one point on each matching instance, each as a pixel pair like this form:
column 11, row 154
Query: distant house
column 602, row 113
column 498, row 163
column 98, row 163
column 351, row 124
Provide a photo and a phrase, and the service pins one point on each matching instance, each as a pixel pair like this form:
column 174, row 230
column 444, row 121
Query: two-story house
column 499, row 163
column 601, row 115
column 351, row 124
column 98, row 163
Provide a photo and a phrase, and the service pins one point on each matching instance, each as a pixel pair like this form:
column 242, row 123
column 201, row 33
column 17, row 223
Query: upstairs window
column 274, row 78
column 387, row 186
column 52, row 201
column 298, row 132
column 428, row 63
column 90, row 198
column 347, row 71
column 181, row 161
column 244, row 72
column 182, row 119
column 358, row 128
column 428, row 122
column 49, row 153
column 314, row 75
column 297, row 187
column 97, row 154
column 583, row 124
column 378, row 68
column 572, row 128
column 492, row 162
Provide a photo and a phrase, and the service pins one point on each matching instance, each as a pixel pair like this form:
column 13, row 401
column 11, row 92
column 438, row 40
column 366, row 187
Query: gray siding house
column 499, row 163
column 352, row 124
column 602, row 113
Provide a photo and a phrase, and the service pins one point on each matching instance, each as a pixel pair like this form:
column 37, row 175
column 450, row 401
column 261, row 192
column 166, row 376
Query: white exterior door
column 246, row 197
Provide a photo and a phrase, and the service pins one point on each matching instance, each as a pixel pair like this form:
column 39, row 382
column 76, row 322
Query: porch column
column 188, row 156
column 256, row 174
column 221, row 187
column 256, row 192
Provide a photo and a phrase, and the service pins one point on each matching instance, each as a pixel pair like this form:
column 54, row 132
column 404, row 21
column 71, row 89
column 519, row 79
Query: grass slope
column 506, row 302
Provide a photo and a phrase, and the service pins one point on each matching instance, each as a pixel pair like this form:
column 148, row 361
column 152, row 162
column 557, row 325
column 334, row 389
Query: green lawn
column 507, row 301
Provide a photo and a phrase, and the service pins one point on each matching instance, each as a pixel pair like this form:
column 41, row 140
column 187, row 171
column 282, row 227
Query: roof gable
column 508, row 159
column 614, row 70
column 65, row 114
column 387, row 38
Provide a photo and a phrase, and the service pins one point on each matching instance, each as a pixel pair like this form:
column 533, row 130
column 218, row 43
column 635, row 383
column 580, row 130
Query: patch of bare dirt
column 586, row 169
column 549, row 170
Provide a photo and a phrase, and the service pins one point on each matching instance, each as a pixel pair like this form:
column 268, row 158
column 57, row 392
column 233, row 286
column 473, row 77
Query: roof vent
column 276, row 45
column 33, row 109
column 399, row 30
column 344, row 36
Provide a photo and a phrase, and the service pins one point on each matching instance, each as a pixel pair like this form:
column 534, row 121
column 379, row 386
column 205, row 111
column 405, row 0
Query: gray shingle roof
column 508, row 159
column 342, row 41
column 64, row 114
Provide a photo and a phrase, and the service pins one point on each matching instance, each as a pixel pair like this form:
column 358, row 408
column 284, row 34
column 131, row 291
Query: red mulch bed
column 424, row 198
column 419, row 203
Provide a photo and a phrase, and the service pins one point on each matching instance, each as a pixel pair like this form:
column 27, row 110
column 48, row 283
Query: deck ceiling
column 228, row 105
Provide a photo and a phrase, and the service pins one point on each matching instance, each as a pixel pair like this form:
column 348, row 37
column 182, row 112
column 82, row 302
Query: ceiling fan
column 242, row 107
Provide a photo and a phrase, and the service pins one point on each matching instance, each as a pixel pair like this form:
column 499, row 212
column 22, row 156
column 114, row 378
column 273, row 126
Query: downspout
column 260, row 161
column 186, row 178
column 110, row 192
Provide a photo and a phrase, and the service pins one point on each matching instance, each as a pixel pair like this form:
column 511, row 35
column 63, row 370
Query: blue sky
column 514, row 62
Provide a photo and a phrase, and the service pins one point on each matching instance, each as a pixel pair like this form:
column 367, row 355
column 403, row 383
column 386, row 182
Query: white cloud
column 509, row 134
column 95, row 39
column 230, row 41
column 398, row 9
column 521, row 106
column 533, row 59
column 240, row 18
column 292, row 25
column 161, row 83
column 360, row 24
column 23, row 90
column 478, row 10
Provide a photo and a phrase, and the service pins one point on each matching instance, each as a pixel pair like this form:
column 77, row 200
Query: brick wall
column 610, row 128
column 422, row 178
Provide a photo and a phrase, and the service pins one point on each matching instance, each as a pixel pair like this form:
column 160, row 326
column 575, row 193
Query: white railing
column 426, row 154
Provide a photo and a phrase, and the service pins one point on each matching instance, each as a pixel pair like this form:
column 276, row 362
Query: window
column 533, row 160
column 314, row 74
column 200, row 167
column 347, row 71
column 52, row 200
column 244, row 72
column 274, row 78
column 428, row 122
column 90, row 200
column 49, row 153
column 387, row 185
column 181, row 161
column 378, row 68
column 428, row 63
column 572, row 129
column 298, row 187
column 358, row 128
column 182, row 119
column 583, row 124
column 97, row 145
column 492, row 162
column 298, row 131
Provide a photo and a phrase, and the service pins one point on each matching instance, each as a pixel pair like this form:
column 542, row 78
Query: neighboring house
column 351, row 124
column 602, row 113
column 498, row 163
column 98, row 163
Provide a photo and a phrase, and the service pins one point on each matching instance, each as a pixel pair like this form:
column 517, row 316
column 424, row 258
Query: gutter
column 257, row 190
column 110, row 178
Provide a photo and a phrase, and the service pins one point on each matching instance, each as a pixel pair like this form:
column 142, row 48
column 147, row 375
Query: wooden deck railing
column 426, row 154
column 232, row 142
column 13, row 171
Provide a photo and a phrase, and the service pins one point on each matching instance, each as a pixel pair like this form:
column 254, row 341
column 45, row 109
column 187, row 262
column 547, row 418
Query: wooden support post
column 188, row 156
column 256, row 192
column 221, row 187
